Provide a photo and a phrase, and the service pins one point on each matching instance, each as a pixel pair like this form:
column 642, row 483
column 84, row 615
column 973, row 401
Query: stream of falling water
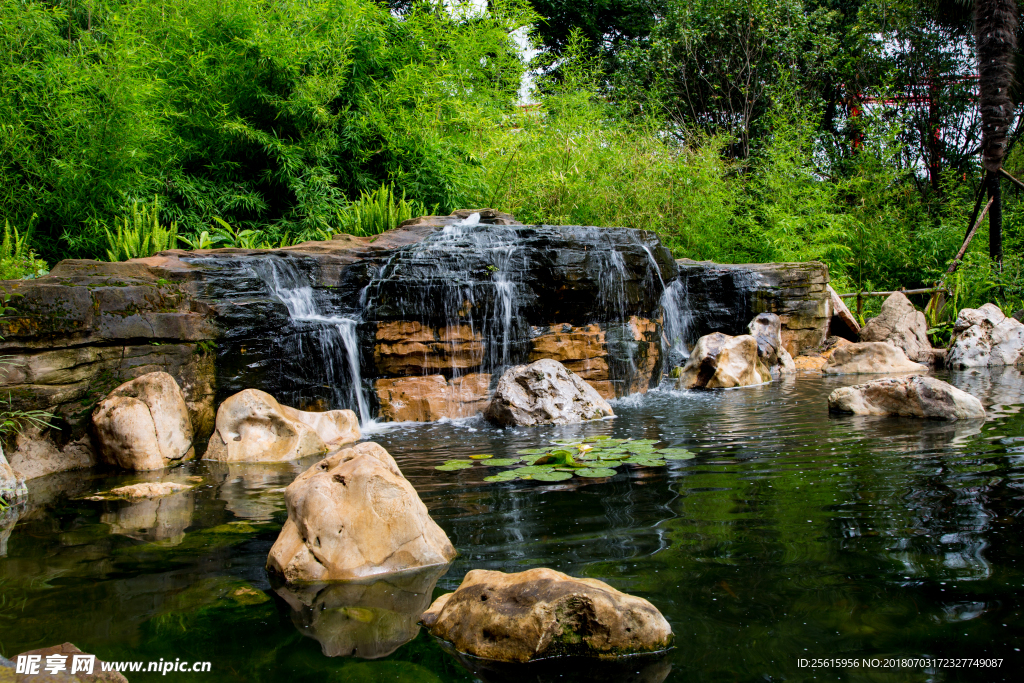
column 336, row 333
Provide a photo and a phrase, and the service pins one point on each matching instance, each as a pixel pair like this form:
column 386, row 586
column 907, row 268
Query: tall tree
column 995, row 27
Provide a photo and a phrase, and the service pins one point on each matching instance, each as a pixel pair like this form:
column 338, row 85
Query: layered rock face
column 144, row 424
column 85, row 329
column 723, row 297
column 544, row 392
column 719, row 361
column 986, row 337
column 353, row 516
column 914, row 396
column 870, row 357
column 253, row 427
column 901, row 325
column 543, row 613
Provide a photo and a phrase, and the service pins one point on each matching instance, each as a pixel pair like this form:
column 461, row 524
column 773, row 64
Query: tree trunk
column 995, row 29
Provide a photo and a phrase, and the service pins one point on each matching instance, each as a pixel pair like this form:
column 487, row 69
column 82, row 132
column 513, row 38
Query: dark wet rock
column 913, row 396
column 723, row 297
column 365, row 619
column 901, row 325
column 544, row 392
column 719, row 361
column 543, row 613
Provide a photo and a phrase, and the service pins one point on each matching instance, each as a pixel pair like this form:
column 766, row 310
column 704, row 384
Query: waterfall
column 335, row 333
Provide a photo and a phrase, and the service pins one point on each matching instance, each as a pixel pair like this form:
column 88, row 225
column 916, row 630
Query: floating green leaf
column 481, row 456
column 608, row 455
column 507, row 475
column 552, row 475
column 595, row 472
column 500, row 462
column 453, row 465
column 675, row 454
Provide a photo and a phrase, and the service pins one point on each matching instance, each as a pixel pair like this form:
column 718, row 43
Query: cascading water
column 335, row 333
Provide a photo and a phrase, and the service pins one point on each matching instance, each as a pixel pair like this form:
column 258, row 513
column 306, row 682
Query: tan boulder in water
column 914, row 396
column 870, row 358
column 543, row 613
column 253, row 427
column 144, row 424
column 544, row 392
column 903, row 326
column 719, row 361
column 353, row 515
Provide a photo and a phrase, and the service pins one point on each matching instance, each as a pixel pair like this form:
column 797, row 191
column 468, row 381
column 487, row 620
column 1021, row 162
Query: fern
column 139, row 234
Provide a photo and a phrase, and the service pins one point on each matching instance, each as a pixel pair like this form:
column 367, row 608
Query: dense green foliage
column 740, row 131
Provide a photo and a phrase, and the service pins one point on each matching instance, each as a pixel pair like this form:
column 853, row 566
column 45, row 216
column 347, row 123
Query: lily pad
column 595, row 472
column 500, row 462
column 508, row 475
column 481, row 456
column 675, row 454
column 606, row 455
column 453, row 465
column 552, row 475
column 647, row 462
column 533, row 451
column 531, row 470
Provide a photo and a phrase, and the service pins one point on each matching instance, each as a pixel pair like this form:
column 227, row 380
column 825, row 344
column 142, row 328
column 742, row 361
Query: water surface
column 793, row 534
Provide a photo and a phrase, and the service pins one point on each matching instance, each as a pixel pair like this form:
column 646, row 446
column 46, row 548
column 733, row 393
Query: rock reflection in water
column 366, row 619
column 8, row 518
column 253, row 490
column 162, row 519
column 637, row 669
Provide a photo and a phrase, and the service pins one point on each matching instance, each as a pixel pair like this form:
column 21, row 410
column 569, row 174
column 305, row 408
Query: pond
column 792, row 535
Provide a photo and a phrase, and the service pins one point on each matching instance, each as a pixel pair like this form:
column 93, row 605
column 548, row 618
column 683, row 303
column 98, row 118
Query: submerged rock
column 870, row 357
column 719, row 361
column 986, row 337
column 152, row 489
column 914, row 396
column 766, row 328
column 367, row 619
column 544, row 613
column 253, row 427
column 544, row 392
column 144, row 424
column 353, row 515
column 903, row 326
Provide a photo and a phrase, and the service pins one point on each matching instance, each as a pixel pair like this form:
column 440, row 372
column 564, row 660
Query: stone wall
column 725, row 297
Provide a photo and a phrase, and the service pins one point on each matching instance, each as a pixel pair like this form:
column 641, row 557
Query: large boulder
column 903, row 326
column 766, row 328
column 913, row 396
column 144, row 424
column 870, row 357
column 544, row 392
column 543, row 613
column 986, row 337
column 353, row 515
column 367, row 619
column 719, row 361
column 253, row 427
